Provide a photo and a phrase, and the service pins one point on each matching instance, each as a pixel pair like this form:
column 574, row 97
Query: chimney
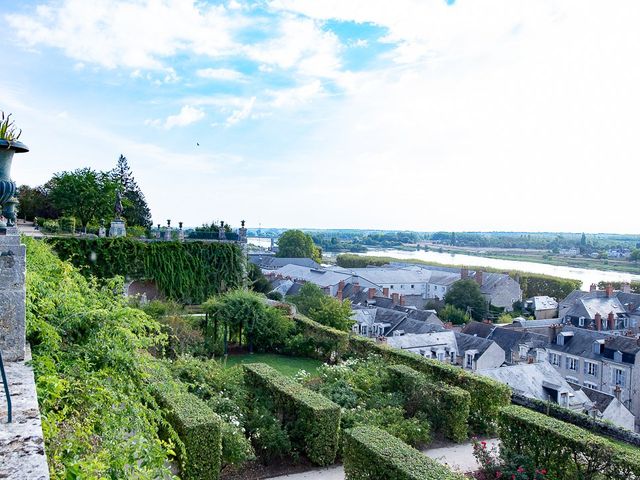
column 371, row 293
column 339, row 295
column 402, row 300
column 341, row 285
column 598, row 319
column 617, row 392
column 479, row 277
column 395, row 298
column 552, row 332
column 385, row 292
column 611, row 319
column 626, row 287
column 464, row 273
column 609, row 291
column 593, row 288
column 356, row 287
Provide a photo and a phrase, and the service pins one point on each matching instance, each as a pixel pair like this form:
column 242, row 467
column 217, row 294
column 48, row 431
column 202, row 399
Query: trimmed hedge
column 446, row 406
column 486, row 395
column 319, row 341
column 314, row 420
column 372, row 453
column 197, row 426
column 567, row 452
column 594, row 425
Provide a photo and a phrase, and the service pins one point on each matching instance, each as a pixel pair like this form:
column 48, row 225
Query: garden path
column 457, row 456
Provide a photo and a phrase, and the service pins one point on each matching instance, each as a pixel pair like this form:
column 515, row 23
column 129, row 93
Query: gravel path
column 457, row 456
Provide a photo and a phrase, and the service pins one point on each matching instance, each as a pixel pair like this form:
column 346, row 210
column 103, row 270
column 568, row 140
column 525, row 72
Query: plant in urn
column 9, row 145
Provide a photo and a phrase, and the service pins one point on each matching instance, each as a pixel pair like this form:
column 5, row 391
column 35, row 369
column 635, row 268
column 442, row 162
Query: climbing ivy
column 187, row 272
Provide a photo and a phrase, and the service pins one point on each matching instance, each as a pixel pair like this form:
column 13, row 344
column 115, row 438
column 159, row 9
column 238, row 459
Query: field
column 288, row 366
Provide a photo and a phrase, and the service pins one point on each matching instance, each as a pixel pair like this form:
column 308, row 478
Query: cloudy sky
column 404, row 114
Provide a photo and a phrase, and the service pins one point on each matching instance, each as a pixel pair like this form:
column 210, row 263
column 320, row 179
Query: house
column 398, row 321
column 451, row 347
column 499, row 289
column 271, row 262
column 533, row 326
column 542, row 307
column 401, row 280
column 602, row 310
column 519, row 346
column 540, row 381
column 331, row 281
column 608, row 407
column 599, row 361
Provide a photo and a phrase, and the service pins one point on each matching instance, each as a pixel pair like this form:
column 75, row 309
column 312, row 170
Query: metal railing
column 5, row 382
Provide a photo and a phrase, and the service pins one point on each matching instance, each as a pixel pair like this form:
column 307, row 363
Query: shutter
column 585, row 367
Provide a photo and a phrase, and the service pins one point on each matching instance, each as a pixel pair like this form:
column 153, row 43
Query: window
column 441, row 356
column 572, row 363
column 554, row 359
column 591, row 368
column 391, row 287
column 591, row 385
column 453, row 357
column 468, row 360
column 412, row 286
column 618, row 377
column 581, row 321
column 523, row 351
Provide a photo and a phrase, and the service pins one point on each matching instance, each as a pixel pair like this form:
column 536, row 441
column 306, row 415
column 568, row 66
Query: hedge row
column 486, row 395
column 197, row 426
column 372, row 453
column 446, row 406
column 319, row 341
column 315, row 420
column 567, row 452
column 594, row 425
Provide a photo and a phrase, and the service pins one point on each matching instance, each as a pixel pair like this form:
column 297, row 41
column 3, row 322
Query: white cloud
column 220, row 74
column 292, row 97
column 186, row 116
column 129, row 33
column 241, row 113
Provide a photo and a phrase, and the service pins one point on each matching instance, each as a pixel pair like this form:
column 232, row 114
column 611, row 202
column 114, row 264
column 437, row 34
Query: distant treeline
column 532, row 284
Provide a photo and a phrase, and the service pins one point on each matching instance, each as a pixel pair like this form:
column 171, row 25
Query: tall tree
column 136, row 210
column 297, row 244
column 465, row 294
column 83, row 193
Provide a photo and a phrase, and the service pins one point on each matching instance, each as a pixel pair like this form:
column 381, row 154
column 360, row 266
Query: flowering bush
column 506, row 466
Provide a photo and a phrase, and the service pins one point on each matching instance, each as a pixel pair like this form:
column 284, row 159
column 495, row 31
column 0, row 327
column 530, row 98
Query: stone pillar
column 167, row 232
column 242, row 233
column 13, row 261
column 180, row 232
column 221, row 234
column 117, row 228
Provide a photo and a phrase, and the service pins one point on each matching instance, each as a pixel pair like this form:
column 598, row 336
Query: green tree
column 312, row 301
column 635, row 255
column 85, row 194
column 136, row 210
column 35, row 202
column 258, row 282
column 465, row 294
column 454, row 315
column 297, row 244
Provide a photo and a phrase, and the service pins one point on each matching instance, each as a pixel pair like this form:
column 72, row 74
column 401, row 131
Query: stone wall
column 12, row 295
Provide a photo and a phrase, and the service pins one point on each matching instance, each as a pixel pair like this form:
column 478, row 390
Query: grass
column 287, row 366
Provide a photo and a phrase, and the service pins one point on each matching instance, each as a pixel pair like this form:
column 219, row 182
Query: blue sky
column 411, row 114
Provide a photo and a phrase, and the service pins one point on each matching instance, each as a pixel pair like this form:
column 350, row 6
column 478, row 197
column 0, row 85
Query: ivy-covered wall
column 187, row 272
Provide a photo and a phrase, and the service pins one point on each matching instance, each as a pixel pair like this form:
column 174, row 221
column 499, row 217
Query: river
column 586, row 275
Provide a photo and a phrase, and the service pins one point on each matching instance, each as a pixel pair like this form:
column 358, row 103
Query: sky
column 513, row 115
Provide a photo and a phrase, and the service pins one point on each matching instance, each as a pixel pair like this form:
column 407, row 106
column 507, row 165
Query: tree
column 297, row 244
column 259, row 282
column 329, row 311
column 84, row 193
column 465, row 294
column 136, row 210
column 454, row 315
column 35, row 202
column 635, row 255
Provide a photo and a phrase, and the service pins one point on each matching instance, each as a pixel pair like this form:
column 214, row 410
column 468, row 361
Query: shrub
column 566, row 451
column 371, row 453
column 49, row 226
column 487, row 395
column 446, row 406
column 312, row 420
column 274, row 295
column 324, row 309
column 67, row 224
column 199, row 429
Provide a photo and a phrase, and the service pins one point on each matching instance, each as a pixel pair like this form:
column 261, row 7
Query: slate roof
column 508, row 339
column 542, row 302
column 407, row 320
column 445, row 339
column 388, row 275
column 600, row 400
column 469, row 342
column 478, row 329
column 319, row 276
column 581, row 344
column 587, row 304
column 533, row 324
column 271, row 262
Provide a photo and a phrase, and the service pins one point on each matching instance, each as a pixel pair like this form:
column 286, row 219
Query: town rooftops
column 320, row 276
column 469, row 342
column 445, row 340
column 542, row 302
column 388, row 275
column 271, row 262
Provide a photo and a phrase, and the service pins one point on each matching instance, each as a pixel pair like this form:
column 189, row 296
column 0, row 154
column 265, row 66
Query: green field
column 288, row 366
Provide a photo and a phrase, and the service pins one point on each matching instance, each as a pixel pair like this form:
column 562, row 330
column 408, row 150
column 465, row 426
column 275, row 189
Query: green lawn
column 288, row 366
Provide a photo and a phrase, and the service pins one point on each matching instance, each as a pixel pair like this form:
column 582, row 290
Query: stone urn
column 7, row 150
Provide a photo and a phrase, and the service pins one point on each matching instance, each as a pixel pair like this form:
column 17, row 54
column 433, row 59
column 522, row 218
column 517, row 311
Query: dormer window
column 523, row 351
column 617, row 357
column 581, row 322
